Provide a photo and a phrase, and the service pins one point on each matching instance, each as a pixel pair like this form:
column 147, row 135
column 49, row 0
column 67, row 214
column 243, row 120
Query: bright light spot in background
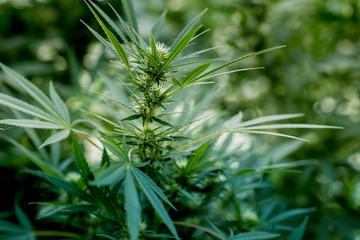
column 252, row 89
column 46, row 51
column 60, row 63
column 85, row 79
column 250, row 215
column 93, row 54
column 175, row 5
column 239, row 142
column 356, row 194
column 346, row 47
column 328, row 104
column 354, row 161
column 92, row 154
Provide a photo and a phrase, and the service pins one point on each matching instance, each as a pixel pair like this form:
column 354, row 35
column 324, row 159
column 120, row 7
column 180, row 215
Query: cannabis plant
column 165, row 168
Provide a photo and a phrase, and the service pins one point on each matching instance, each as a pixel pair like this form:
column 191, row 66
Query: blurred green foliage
column 317, row 74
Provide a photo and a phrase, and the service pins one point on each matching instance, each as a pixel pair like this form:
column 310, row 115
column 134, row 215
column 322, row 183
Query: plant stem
column 87, row 139
column 199, row 227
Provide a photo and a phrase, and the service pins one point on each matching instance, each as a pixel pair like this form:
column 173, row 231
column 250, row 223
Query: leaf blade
column 156, row 203
column 132, row 206
column 23, row 219
column 24, row 107
column 156, row 29
column 110, row 175
column 29, row 123
column 80, row 160
column 57, row 137
column 180, row 46
column 199, row 152
column 67, row 186
column 153, row 186
column 298, row 233
column 270, row 118
column 130, row 14
column 118, row 48
column 258, row 235
column 31, row 89
column 187, row 29
column 237, row 60
column 59, row 104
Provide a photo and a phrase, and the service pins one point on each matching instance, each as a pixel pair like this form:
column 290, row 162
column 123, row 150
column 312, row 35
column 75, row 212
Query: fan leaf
column 30, row 123
column 57, row 137
column 24, row 107
column 59, row 104
column 132, row 206
column 155, row 201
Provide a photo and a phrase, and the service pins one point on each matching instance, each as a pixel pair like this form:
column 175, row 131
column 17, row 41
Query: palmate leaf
column 270, row 118
column 235, row 61
column 107, row 236
column 179, row 48
column 30, row 123
column 273, row 134
column 119, row 49
column 31, row 89
column 187, row 29
column 298, row 233
column 10, row 231
column 110, row 22
column 132, row 206
column 24, row 107
column 67, row 186
column 57, row 137
column 201, row 80
column 155, row 201
column 110, row 206
column 80, row 160
column 59, row 105
column 55, row 116
column 290, row 214
column 53, row 209
column 110, row 175
column 251, row 127
column 258, row 235
column 195, row 72
column 103, row 41
column 156, row 29
column 277, row 167
column 130, row 14
column 34, row 136
column 291, row 126
column 153, row 48
column 153, row 185
column 43, row 165
column 194, row 159
column 115, row 150
column 6, row 226
column 131, row 33
column 105, row 160
column 23, row 219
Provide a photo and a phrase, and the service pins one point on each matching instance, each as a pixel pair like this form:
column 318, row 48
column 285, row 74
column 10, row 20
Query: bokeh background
column 318, row 74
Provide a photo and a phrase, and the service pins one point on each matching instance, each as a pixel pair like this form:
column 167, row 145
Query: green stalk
column 200, row 228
